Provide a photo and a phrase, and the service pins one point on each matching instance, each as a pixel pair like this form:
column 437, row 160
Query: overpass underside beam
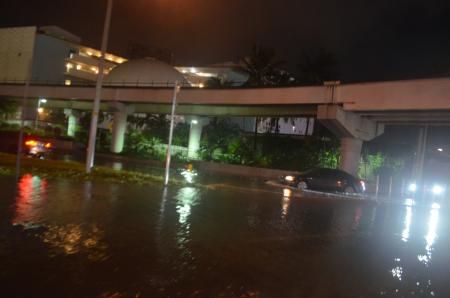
column 352, row 130
column 206, row 110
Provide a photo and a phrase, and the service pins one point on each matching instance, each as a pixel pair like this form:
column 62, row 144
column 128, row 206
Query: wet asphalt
column 237, row 238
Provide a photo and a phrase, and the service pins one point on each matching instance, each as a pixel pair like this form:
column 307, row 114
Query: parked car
column 36, row 148
column 327, row 180
column 32, row 146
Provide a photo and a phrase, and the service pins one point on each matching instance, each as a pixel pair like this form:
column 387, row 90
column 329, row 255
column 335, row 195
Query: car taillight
column 31, row 143
column 48, row 145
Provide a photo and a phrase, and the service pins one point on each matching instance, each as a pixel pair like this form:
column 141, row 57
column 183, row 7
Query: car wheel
column 302, row 185
column 349, row 189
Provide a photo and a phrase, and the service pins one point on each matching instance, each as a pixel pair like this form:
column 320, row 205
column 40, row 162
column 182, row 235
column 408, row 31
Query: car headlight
column 289, row 178
column 412, row 187
column 437, row 189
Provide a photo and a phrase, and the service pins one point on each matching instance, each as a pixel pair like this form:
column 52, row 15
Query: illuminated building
column 58, row 56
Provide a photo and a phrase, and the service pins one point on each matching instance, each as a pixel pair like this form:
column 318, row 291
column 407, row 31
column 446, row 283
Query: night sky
column 371, row 40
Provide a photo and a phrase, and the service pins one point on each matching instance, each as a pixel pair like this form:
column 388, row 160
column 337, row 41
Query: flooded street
column 61, row 238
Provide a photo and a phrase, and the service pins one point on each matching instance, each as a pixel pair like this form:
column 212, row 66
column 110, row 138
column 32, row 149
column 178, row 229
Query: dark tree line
column 264, row 69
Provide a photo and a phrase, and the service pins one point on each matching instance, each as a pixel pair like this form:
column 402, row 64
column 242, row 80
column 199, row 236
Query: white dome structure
column 144, row 72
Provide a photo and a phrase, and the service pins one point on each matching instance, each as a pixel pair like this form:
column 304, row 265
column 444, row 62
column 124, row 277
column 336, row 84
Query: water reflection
column 397, row 272
column 432, row 227
column 431, row 235
column 186, row 198
column 32, row 191
column 72, row 239
column 407, row 224
column 87, row 188
column 285, row 203
column 357, row 218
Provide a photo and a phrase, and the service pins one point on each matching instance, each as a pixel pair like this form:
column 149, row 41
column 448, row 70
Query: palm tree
column 216, row 82
column 262, row 66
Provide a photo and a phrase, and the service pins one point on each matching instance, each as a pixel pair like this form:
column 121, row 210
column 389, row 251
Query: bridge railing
column 139, row 84
column 106, row 83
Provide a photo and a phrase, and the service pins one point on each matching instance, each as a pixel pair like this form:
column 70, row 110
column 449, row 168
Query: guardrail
column 142, row 84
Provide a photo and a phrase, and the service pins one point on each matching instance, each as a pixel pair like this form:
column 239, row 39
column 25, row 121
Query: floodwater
column 61, row 238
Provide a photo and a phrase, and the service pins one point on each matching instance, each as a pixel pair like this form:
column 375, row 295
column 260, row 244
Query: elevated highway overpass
column 354, row 112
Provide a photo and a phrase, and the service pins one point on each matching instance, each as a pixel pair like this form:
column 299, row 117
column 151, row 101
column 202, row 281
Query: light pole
column 38, row 111
column 98, row 91
column 176, row 89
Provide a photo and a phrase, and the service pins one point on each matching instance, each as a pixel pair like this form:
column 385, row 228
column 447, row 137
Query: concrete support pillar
column 72, row 122
column 350, row 154
column 352, row 130
column 195, row 134
column 119, row 128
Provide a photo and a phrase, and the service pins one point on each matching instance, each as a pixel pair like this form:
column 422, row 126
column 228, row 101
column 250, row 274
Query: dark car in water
column 327, row 180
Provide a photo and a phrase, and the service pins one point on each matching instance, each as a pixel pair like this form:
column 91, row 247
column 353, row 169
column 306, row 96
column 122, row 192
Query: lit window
column 119, row 60
column 78, row 66
column 69, row 66
column 89, row 53
column 67, row 82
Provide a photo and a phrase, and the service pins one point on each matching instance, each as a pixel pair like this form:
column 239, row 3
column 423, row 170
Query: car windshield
column 324, row 172
column 316, row 172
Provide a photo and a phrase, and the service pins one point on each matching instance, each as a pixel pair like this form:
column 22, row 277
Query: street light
column 39, row 111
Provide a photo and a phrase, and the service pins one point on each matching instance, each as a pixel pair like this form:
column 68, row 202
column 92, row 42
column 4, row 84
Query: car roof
column 315, row 171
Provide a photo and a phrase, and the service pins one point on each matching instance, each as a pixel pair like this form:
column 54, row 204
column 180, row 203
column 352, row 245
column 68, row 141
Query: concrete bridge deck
column 393, row 96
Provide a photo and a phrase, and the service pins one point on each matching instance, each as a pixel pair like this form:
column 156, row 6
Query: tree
column 217, row 136
column 263, row 68
column 8, row 107
column 216, row 82
column 316, row 68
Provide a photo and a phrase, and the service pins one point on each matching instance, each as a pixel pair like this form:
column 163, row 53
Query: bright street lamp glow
column 43, row 100
column 440, row 149
column 40, row 110
column 194, row 121
column 437, row 189
column 412, row 187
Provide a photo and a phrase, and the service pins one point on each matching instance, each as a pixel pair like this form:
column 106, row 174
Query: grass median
column 72, row 170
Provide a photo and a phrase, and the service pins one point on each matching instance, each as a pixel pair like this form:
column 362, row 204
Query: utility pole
column 98, row 91
column 169, row 145
column 24, row 108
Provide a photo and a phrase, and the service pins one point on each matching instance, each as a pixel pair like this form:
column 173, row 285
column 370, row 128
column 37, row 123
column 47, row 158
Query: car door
column 319, row 180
